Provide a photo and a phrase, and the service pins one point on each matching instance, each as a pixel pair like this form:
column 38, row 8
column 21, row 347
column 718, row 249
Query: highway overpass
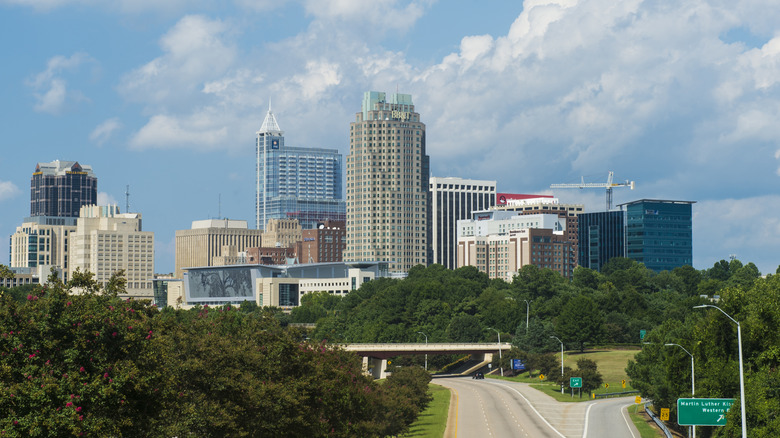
column 375, row 355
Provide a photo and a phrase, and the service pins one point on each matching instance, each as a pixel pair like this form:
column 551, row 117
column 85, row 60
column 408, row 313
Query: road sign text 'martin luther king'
column 703, row 411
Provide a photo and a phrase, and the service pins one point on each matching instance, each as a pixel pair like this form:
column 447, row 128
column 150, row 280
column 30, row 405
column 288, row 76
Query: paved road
column 495, row 408
column 609, row 418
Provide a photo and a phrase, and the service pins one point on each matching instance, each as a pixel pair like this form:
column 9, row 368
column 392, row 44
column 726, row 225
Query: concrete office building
column 536, row 204
column 270, row 256
column 387, row 184
column 107, row 241
column 601, row 237
column 324, row 244
column 42, row 241
column 451, row 200
column 296, row 183
column 61, row 188
column 499, row 243
column 201, row 244
column 659, row 233
column 282, row 233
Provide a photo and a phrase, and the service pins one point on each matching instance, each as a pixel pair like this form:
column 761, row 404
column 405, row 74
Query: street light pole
column 693, row 381
column 527, row 311
column 561, row 361
column 426, row 347
column 500, row 359
column 741, row 368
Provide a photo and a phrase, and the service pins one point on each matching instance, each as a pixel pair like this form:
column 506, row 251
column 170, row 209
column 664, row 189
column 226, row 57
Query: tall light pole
column 693, row 381
column 426, row 347
column 500, row 361
column 741, row 368
column 561, row 361
column 527, row 311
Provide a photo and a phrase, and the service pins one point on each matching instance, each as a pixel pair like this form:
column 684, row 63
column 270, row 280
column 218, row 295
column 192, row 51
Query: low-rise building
column 278, row 286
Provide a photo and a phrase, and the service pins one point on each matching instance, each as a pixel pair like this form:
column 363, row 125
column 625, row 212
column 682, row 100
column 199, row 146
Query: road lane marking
column 532, row 408
column 624, row 411
column 587, row 415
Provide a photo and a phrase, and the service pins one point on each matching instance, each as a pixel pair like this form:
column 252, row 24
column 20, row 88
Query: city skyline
column 166, row 98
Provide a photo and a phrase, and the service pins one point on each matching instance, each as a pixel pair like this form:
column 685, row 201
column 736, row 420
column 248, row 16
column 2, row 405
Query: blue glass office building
column 296, row 183
column 659, row 233
column 601, row 237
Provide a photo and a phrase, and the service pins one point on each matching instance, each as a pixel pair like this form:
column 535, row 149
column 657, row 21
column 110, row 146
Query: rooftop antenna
column 127, row 199
column 219, row 209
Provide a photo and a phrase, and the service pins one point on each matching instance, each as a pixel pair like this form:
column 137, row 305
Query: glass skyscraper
column 601, row 237
column 296, row 183
column 61, row 188
column 659, row 233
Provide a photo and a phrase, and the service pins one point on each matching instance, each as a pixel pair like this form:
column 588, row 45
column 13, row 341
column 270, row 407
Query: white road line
column 624, row 411
column 587, row 415
column 532, row 407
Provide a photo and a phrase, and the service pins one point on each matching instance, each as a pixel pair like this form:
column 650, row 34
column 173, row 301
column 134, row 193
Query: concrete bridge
column 375, row 355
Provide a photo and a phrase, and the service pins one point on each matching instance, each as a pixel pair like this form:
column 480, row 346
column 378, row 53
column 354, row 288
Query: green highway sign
column 575, row 382
column 703, row 411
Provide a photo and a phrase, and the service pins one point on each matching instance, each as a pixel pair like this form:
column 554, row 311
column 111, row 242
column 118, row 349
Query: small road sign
column 624, row 383
column 518, row 365
column 638, row 399
column 575, row 382
column 606, row 385
column 664, row 414
column 703, row 411
column 541, row 376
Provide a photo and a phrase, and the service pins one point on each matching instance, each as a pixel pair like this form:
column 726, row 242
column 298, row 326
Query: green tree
column 465, row 328
column 580, row 321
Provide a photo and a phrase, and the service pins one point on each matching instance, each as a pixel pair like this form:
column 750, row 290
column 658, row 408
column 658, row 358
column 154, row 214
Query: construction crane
column 608, row 185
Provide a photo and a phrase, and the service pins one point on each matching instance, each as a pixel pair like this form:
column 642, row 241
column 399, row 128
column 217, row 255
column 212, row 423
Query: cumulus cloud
column 104, row 198
column 378, row 15
column 104, row 131
column 8, row 190
column 199, row 131
column 50, row 88
column 194, row 52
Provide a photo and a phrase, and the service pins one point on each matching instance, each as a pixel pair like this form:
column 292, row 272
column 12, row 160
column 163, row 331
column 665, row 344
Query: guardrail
column 614, row 394
column 658, row 421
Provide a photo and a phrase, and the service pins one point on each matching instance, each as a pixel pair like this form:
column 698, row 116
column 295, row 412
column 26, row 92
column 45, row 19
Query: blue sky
column 681, row 97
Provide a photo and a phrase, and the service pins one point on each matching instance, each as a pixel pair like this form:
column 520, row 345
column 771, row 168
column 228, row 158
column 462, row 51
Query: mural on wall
column 220, row 283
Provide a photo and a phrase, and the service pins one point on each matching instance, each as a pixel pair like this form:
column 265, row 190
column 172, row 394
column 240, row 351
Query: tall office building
column 106, row 241
column 207, row 239
column 601, row 237
column 296, row 183
column 659, row 233
column 453, row 199
column 42, row 241
column 61, row 188
column 387, row 183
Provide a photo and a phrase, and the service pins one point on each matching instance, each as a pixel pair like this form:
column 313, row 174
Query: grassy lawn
column 433, row 420
column 611, row 364
column 642, row 423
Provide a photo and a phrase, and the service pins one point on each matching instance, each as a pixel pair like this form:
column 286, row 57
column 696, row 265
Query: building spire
column 270, row 125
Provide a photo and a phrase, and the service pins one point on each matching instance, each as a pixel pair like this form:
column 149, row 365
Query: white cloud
column 105, row 130
column 378, row 15
column 49, row 87
column 748, row 228
column 8, row 190
column 199, row 131
column 194, row 52
column 104, row 198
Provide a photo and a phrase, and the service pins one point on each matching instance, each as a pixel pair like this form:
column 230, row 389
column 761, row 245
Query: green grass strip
column 433, row 420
